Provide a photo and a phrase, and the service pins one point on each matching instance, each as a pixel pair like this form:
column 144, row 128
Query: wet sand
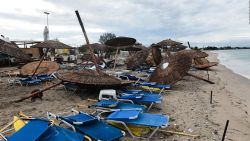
column 188, row 105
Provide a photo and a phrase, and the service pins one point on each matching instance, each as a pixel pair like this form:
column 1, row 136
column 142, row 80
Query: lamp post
column 47, row 13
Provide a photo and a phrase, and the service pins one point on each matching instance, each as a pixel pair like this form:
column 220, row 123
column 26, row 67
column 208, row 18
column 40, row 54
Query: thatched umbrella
column 137, row 59
column 48, row 45
column 177, row 47
column 203, row 63
column 92, row 78
column 167, row 42
column 173, row 70
column 120, row 43
column 170, row 72
column 47, row 67
column 11, row 50
column 51, row 44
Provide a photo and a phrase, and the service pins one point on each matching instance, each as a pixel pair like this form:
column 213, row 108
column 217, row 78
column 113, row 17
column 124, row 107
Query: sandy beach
column 188, row 105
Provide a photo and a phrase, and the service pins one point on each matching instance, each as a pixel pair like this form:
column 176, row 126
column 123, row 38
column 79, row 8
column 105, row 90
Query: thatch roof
column 120, row 42
column 170, row 72
column 178, row 65
column 137, row 59
column 51, row 44
column 177, row 47
column 194, row 53
column 203, row 63
column 167, row 42
column 92, row 78
column 47, row 67
column 11, row 50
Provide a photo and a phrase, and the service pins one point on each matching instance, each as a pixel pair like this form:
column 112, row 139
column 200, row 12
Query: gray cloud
column 200, row 22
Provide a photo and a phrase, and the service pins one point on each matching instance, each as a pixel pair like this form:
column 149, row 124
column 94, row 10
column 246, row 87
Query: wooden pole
column 225, row 131
column 87, row 40
column 36, row 93
column 47, row 50
column 211, row 98
column 117, row 50
column 198, row 77
column 189, row 45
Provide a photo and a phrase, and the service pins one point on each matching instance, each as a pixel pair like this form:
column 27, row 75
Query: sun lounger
column 42, row 130
column 137, row 118
column 114, row 105
column 153, row 86
column 44, row 77
column 142, row 98
column 91, row 126
column 29, row 81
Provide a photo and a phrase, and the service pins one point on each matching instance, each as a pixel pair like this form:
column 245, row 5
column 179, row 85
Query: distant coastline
column 224, row 48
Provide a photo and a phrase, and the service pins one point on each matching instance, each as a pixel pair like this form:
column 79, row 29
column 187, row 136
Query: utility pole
column 47, row 13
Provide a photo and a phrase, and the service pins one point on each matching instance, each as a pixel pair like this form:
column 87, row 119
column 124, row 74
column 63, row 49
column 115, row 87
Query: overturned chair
column 137, row 123
column 42, row 130
column 90, row 126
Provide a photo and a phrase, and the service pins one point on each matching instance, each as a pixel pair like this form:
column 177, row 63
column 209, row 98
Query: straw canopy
column 137, row 59
column 177, row 68
column 46, row 67
column 177, row 47
column 167, row 42
column 203, row 63
column 51, row 44
column 120, row 42
column 11, row 50
column 170, row 72
column 194, row 53
column 92, row 78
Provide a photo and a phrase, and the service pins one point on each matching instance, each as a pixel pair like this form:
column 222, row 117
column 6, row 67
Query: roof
column 51, row 44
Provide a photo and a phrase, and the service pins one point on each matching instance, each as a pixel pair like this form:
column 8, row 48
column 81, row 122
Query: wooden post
column 117, row 50
column 87, row 40
column 225, row 131
column 47, row 50
column 189, row 45
column 211, row 98
column 207, row 75
column 35, row 93
column 198, row 77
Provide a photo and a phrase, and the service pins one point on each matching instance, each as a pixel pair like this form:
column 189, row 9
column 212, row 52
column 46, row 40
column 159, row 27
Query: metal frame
column 130, row 132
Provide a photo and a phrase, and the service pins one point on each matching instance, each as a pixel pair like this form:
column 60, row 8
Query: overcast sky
column 202, row 22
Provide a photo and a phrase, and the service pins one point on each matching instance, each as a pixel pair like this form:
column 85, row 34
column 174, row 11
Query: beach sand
column 188, row 105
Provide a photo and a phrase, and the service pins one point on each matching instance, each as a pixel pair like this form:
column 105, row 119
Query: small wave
column 236, row 60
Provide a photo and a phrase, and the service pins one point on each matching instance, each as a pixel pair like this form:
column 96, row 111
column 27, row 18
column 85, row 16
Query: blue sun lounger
column 114, row 105
column 42, row 130
column 29, row 81
column 91, row 126
column 136, row 117
column 44, row 77
column 142, row 98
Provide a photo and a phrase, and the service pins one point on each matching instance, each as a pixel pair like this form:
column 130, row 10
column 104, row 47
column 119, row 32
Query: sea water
column 236, row 60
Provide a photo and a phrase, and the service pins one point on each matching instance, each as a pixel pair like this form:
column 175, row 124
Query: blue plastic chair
column 92, row 127
column 135, row 117
column 41, row 130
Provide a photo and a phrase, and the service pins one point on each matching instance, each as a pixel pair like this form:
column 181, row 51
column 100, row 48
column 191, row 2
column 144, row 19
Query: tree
column 106, row 36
